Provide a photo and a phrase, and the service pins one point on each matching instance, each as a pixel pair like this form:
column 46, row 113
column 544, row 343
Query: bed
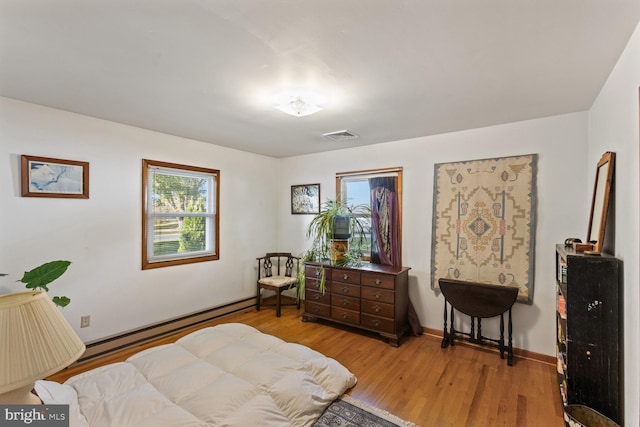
column 226, row 375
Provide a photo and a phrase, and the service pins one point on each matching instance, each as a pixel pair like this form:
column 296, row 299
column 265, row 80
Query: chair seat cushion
column 277, row 281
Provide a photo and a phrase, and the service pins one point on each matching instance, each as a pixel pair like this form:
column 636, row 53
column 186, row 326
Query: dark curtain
column 384, row 221
column 384, row 232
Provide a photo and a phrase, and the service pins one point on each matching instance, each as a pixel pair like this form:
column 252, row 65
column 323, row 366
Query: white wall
column 613, row 126
column 563, row 203
column 101, row 235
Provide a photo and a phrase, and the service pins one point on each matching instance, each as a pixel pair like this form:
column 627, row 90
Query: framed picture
column 47, row 177
column 305, row 199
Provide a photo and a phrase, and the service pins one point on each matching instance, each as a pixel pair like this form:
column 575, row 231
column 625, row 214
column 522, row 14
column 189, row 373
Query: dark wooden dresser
column 372, row 297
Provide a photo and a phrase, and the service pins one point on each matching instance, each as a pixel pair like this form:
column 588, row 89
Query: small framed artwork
column 47, row 177
column 305, row 199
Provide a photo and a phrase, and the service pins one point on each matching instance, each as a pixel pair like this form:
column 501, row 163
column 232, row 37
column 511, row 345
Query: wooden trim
column 524, row 354
column 137, row 336
column 369, row 172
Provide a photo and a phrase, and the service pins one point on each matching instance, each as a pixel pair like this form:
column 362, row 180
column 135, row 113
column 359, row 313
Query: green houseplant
column 324, row 242
column 321, row 230
column 41, row 276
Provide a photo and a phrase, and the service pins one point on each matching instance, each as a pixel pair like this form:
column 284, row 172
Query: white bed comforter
column 227, row 375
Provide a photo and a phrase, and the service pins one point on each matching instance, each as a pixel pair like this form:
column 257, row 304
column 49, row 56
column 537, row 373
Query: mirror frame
column 600, row 200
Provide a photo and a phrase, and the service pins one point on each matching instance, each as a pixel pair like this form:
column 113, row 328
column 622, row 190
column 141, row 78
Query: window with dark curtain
column 384, row 220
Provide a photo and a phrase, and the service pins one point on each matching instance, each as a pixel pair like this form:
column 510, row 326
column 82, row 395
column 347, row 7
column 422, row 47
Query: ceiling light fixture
column 299, row 104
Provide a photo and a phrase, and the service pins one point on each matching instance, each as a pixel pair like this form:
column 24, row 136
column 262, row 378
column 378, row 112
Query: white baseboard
column 146, row 333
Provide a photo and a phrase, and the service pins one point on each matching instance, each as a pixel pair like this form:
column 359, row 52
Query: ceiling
column 390, row 69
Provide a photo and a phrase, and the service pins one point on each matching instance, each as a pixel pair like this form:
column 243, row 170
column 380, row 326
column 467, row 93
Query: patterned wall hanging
column 484, row 222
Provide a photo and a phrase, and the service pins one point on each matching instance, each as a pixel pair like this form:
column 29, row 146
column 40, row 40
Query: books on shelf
column 562, row 270
column 562, row 306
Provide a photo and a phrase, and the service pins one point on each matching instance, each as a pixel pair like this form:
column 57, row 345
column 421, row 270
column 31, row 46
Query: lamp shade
column 35, row 340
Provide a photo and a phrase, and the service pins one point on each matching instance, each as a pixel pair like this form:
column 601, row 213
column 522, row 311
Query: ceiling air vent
column 340, row 135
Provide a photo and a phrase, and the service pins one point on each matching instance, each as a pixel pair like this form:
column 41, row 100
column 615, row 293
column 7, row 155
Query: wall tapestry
column 484, row 222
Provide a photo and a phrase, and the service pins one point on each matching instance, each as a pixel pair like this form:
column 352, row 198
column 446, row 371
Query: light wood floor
column 419, row 381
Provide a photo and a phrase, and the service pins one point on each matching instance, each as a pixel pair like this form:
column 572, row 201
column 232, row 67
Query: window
column 355, row 188
column 180, row 222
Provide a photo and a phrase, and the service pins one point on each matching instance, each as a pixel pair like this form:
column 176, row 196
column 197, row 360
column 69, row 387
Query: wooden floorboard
column 418, row 381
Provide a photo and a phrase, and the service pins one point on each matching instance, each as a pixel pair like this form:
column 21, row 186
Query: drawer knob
column 316, row 296
column 317, row 273
column 345, row 316
column 345, row 290
column 316, row 309
column 377, row 295
column 345, row 303
column 376, row 323
column 378, row 281
column 376, row 309
column 345, row 276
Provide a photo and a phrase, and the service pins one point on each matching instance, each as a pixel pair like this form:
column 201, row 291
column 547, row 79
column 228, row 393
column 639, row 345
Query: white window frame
column 149, row 215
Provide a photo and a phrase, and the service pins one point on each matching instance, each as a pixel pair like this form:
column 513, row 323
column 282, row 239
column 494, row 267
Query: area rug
column 484, row 222
column 349, row 412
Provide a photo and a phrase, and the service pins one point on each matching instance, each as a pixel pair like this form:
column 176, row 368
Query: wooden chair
column 277, row 271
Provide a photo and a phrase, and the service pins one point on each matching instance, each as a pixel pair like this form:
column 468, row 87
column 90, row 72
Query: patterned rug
column 484, row 222
column 349, row 412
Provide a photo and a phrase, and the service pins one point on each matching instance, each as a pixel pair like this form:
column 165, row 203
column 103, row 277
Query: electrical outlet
column 85, row 321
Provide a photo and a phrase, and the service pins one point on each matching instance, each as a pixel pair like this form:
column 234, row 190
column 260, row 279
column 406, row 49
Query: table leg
column 501, row 342
column 451, row 328
column 445, row 335
column 472, row 334
column 510, row 347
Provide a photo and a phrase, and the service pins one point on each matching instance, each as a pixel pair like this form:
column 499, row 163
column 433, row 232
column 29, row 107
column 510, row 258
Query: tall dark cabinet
column 589, row 338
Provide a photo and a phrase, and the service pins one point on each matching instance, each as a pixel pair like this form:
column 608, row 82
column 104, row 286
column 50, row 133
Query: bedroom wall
column 613, row 126
column 101, row 235
column 563, row 202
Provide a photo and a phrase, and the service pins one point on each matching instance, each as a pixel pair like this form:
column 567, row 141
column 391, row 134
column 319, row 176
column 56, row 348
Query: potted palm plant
column 337, row 231
column 337, row 235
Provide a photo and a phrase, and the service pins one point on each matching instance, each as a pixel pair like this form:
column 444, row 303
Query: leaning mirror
column 600, row 201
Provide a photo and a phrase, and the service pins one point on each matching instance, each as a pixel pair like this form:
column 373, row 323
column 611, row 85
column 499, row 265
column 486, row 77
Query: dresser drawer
column 316, row 296
column 315, row 272
column 343, row 315
column 345, row 276
column 317, row 309
column 378, row 323
column 314, row 284
column 341, row 301
column 375, row 294
column 346, row 289
column 378, row 280
column 378, row 308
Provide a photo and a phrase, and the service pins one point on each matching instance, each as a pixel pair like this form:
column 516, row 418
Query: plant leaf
column 61, row 301
column 41, row 276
